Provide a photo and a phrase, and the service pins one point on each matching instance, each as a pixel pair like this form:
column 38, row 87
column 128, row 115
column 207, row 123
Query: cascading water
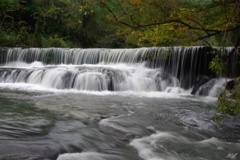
column 105, row 104
column 118, row 77
column 161, row 68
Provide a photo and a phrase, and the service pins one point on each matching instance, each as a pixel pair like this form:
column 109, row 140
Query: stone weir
column 190, row 65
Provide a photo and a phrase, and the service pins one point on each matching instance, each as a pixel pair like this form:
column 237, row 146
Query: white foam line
column 145, row 145
column 86, row 156
column 38, row 88
column 107, row 122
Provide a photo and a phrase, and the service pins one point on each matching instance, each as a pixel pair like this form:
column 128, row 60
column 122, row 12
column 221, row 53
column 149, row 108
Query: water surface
column 42, row 124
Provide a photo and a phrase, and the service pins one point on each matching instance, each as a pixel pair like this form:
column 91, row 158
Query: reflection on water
column 69, row 125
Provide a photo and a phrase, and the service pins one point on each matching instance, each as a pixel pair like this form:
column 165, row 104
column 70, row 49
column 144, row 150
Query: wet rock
column 230, row 85
column 205, row 88
column 199, row 82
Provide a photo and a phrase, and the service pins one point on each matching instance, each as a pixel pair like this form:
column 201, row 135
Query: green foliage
column 54, row 41
column 175, row 22
column 217, row 65
column 52, row 23
column 118, row 23
column 229, row 101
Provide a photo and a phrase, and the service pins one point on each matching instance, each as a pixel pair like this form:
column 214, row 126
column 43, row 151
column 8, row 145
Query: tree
column 174, row 22
column 51, row 23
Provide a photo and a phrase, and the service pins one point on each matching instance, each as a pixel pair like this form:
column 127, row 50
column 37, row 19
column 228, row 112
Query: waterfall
column 99, row 69
column 90, row 77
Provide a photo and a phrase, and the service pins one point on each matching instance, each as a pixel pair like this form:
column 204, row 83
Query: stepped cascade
column 141, row 69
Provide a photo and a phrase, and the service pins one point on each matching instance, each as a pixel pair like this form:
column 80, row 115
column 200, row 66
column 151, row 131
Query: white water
column 115, row 77
column 184, row 63
column 87, row 156
column 158, row 146
column 99, row 77
column 81, row 56
column 176, row 69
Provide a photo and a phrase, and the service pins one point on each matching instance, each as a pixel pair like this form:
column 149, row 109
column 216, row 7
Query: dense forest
column 119, row 23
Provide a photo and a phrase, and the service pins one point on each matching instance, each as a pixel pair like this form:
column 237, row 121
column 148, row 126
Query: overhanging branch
column 201, row 28
column 196, row 27
column 217, row 32
column 114, row 16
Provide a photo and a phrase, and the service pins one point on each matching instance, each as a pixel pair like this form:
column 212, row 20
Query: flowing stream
column 113, row 104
